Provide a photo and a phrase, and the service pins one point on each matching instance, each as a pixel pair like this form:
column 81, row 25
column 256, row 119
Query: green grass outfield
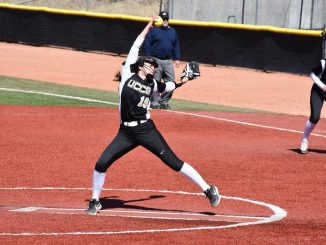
column 17, row 91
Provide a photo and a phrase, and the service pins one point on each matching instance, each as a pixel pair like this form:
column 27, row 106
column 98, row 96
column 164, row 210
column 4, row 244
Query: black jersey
column 135, row 92
column 320, row 81
column 135, row 99
column 320, row 71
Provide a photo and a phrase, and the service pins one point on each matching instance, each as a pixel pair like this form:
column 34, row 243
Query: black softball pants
column 317, row 98
column 128, row 138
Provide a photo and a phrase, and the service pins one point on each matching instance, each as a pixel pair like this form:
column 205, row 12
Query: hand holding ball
column 158, row 21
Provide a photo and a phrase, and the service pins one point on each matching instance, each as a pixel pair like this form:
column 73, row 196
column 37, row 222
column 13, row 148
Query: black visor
column 140, row 62
column 151, row 61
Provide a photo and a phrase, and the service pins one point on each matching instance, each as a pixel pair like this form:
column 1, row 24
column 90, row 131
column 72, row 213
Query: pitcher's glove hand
column 117, row 76
column 191, row 70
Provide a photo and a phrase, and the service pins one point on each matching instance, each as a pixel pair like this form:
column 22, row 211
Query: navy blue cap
column 164, row 15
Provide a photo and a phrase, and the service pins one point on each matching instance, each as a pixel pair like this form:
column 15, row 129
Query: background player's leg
column 316, row 104
column 155, row 104
column 168, row 75
column 309, row 127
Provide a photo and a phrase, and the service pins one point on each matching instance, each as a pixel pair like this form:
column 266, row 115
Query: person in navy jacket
column 162, row 43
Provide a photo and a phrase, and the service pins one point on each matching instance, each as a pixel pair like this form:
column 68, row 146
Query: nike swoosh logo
column 162, row 152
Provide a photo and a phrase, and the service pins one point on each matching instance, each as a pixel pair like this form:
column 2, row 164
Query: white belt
column 134, row 123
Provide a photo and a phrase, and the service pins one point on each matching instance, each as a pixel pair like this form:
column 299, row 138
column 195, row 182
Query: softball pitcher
column 136, row 127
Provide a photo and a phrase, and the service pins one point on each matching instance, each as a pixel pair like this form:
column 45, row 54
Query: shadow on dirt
column 319, row 151
column 113, row 202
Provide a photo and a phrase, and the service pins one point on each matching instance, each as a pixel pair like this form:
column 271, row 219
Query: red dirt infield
column 48, row 155
column 57, row 147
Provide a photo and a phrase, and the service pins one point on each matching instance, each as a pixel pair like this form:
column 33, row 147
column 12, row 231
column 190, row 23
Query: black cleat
column 213, row 196
column 165, row 107
column 156, row 107
column 94, row 206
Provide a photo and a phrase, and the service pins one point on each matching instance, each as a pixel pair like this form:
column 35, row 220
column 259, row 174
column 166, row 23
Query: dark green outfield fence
column 259, row 47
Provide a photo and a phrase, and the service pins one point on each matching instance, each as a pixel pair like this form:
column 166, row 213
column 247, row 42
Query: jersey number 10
column 144, row 102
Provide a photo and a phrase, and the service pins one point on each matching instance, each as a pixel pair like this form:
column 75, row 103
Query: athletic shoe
column 93, row 207
column 213, row 196
column 304, row 146
column 156, row 107
column 165, row 107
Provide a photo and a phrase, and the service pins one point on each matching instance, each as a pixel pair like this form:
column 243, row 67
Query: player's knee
column 180, row 165
column 177, row 165
column 101, row 166
column 314, row 119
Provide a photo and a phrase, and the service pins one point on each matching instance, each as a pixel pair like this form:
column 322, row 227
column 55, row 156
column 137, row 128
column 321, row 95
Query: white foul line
column 59, row 95
column 179, row 112
column 165, row 215
column 279, row 214
column 244, row 123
